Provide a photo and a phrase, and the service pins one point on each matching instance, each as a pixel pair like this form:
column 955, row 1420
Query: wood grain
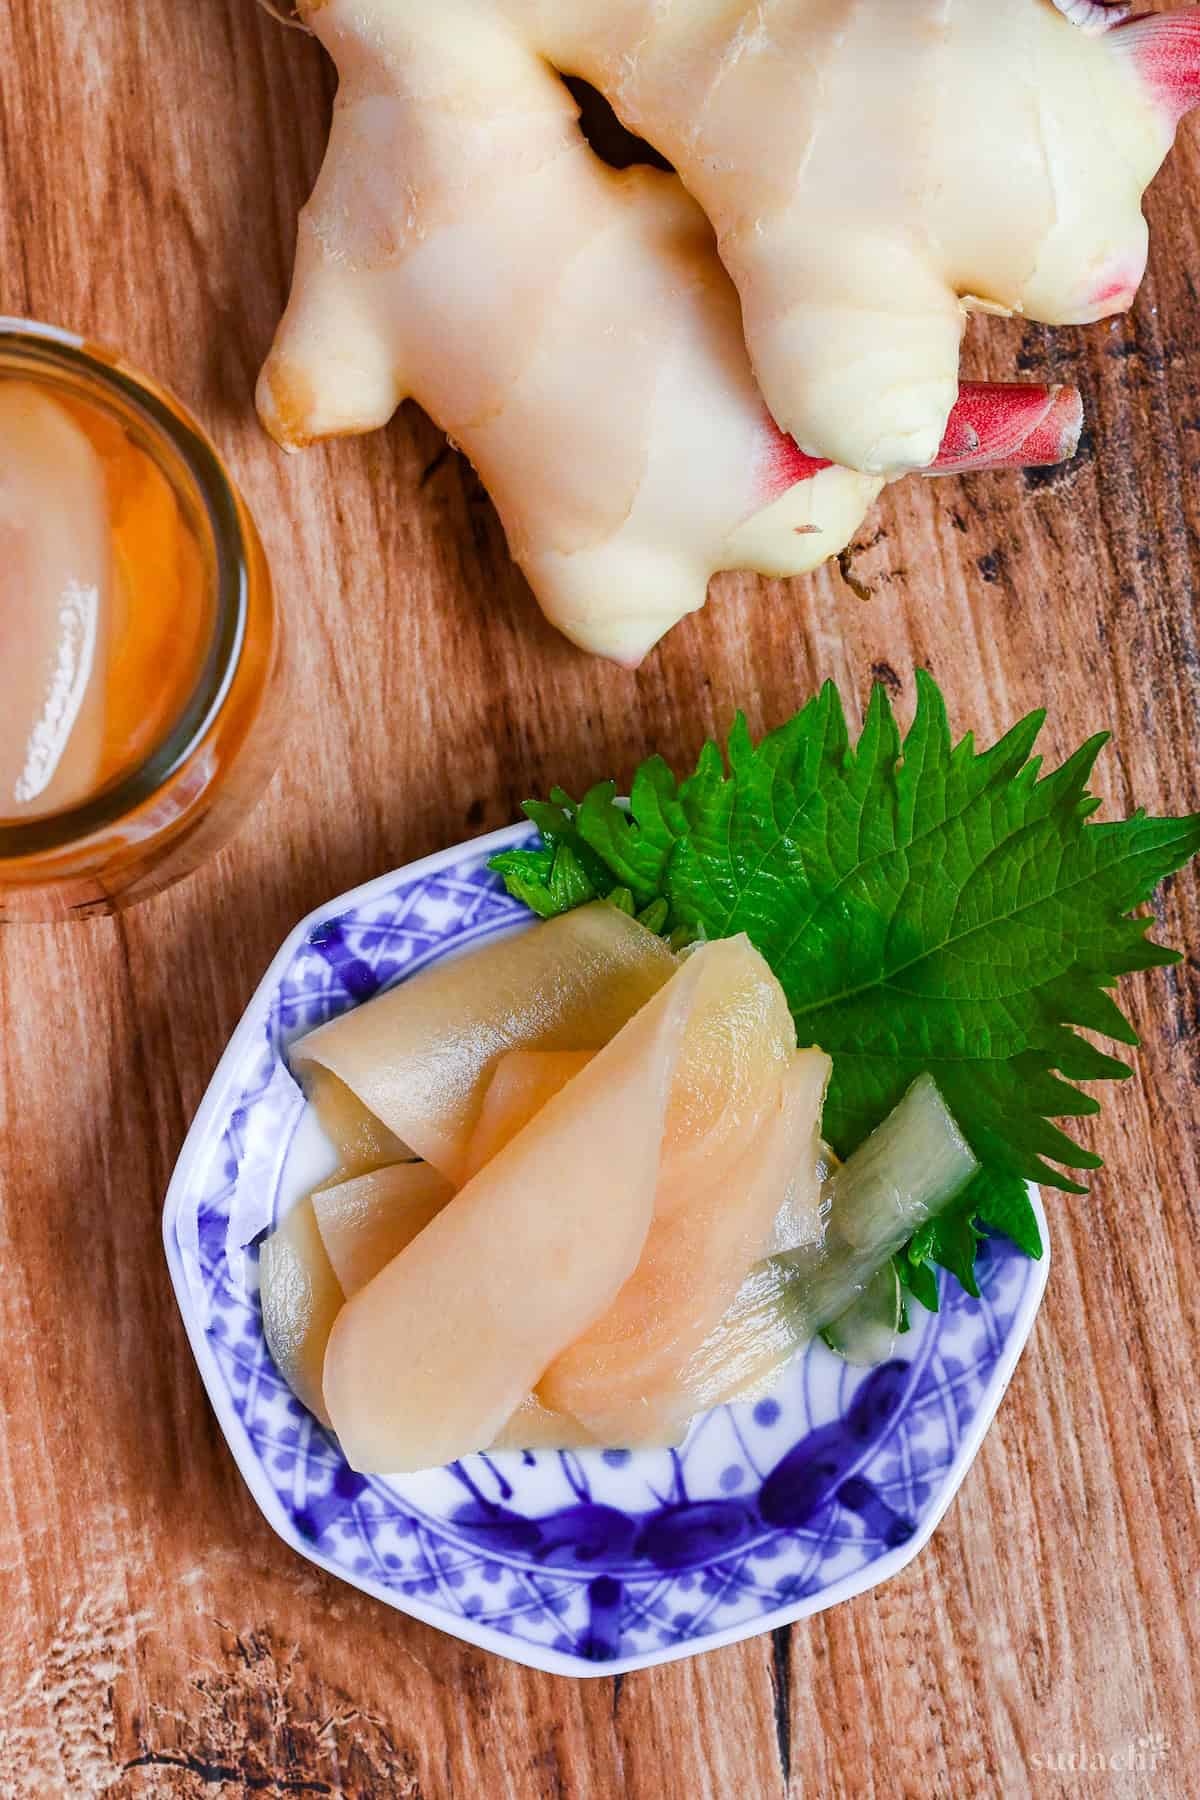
column 155, row 1638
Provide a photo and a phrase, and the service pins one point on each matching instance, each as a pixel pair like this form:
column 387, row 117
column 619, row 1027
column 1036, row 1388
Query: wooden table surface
column 155, row 1637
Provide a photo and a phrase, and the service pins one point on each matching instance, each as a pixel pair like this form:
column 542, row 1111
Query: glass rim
column 47, row 347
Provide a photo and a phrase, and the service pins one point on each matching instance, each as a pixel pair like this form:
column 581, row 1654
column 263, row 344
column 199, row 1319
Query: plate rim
column 529, row 1655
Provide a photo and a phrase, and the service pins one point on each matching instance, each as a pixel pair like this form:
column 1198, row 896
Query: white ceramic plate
column 581, row 1563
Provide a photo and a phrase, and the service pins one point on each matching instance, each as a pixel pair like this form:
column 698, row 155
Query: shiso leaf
column 926, row 907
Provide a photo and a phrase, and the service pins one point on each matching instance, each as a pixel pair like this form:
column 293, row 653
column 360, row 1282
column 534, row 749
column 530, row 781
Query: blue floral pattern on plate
column 583, row 1562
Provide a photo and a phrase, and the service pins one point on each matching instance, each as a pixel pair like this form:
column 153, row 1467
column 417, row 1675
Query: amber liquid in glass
column 106, row 611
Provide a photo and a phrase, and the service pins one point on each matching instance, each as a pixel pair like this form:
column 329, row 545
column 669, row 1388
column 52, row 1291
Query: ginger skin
column 627, row 357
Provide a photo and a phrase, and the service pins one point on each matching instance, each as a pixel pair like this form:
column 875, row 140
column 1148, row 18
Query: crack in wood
column 216, row 1773
column 781, row 1682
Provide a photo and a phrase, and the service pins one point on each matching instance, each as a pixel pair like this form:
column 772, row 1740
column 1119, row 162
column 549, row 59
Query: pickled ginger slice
column 534, row 1427
column 419, row 1056
column 522, row 1082
column 362, row 1142
column 431, row 1359
column 300, row 1297
column 744, row 1355
column 795, row 1225
column 363, row 1223
column 910, row 1168
column 520, row 1085
column 366, row 1221
column 55, row 604
column 743, row 1138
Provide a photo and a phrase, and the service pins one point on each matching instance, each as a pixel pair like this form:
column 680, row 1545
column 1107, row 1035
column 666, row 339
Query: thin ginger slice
column 341, row 1236
column 368, row 1220
column 300, row 1297
column 743, row 1141
column 523, row 1081
column 535, row 1427
column 378, row 1210
column 738, row 1040
column 360, row 1140
column 55, row 603
column 793, row 1161
column 419, row 1056
column 160, row 614
column 431, row 1359
column 788, row 1158
column 521, row 1084
column 329, row 1245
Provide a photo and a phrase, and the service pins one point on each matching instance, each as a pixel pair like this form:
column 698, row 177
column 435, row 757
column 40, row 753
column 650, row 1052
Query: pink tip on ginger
column 1165, row 48
column 994, row 425
column 1010, row 425
column 784, row 464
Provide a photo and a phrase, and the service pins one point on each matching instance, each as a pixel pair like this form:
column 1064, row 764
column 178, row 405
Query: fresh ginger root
column 873, row 173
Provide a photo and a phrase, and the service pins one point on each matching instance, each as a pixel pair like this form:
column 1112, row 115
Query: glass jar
column 152, row 822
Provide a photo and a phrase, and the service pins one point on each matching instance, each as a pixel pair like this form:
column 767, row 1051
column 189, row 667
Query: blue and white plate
column 582, row 1563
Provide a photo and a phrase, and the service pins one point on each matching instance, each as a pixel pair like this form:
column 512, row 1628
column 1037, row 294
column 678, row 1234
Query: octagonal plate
column 586, row 1562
